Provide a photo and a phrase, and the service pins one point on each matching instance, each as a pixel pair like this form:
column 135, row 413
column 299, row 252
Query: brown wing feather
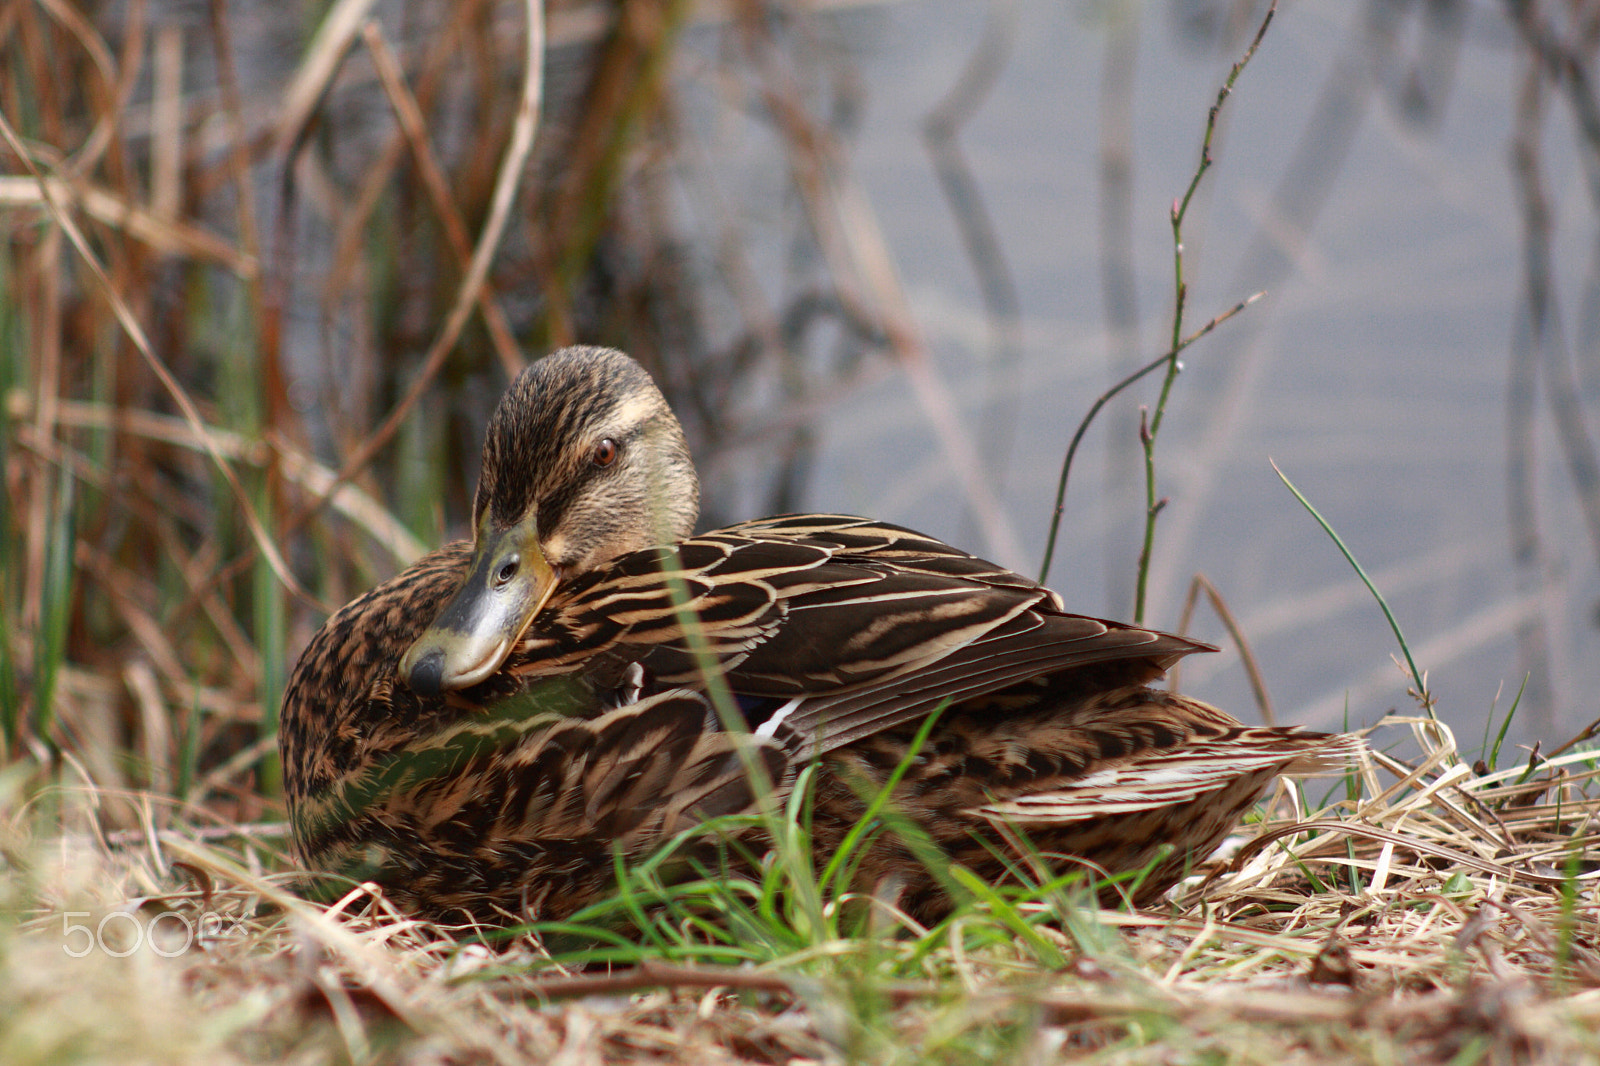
column 864, row 625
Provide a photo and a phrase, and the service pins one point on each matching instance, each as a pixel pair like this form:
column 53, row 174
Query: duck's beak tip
column 481, row 623
column 425, row 675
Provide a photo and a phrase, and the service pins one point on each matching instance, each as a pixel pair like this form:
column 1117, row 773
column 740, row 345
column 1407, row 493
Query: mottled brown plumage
column 482, row 733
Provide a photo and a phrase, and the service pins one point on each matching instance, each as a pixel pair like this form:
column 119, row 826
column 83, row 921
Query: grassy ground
column 1431, row 913
column 184, row 231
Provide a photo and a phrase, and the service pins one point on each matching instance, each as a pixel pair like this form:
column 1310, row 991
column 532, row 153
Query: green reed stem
column 1149, row 429
column 55, row 607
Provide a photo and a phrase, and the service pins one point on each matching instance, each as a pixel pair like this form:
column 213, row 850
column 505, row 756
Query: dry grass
column 1439, row 915
column 228, row 284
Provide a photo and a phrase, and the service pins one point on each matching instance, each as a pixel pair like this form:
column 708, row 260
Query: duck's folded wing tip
column 1334, row 754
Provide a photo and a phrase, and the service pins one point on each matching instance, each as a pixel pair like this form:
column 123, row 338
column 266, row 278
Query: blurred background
column 882, row 256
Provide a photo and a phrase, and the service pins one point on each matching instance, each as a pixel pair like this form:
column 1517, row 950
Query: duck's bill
column 507, row 584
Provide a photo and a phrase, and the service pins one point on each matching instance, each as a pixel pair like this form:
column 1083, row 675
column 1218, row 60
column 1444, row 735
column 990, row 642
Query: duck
column 483, row 735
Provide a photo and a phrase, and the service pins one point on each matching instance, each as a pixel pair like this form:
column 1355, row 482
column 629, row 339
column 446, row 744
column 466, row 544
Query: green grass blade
column 55, row 607
column 1416, row 675
column 1493, row 754
column 875, row 806
column 189, row 750
column 1046, row 952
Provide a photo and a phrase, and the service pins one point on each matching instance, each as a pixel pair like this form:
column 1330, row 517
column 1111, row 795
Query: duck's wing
column 843, row 626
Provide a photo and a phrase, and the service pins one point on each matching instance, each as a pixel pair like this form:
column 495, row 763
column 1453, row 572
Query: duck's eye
column 605, row 453
column 507, row 571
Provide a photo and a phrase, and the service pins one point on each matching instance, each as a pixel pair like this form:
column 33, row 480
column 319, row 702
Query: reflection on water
column 1375, row 372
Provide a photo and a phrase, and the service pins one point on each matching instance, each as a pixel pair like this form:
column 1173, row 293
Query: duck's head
column 583, row 461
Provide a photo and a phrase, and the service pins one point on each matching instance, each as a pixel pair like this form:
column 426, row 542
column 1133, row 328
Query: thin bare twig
column 1094, row 409
column 409, row 117
column 1247, row 655
column 1180, row 210
column 523, row 130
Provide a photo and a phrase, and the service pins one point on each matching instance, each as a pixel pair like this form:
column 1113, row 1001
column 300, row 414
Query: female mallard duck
column 484, row 732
